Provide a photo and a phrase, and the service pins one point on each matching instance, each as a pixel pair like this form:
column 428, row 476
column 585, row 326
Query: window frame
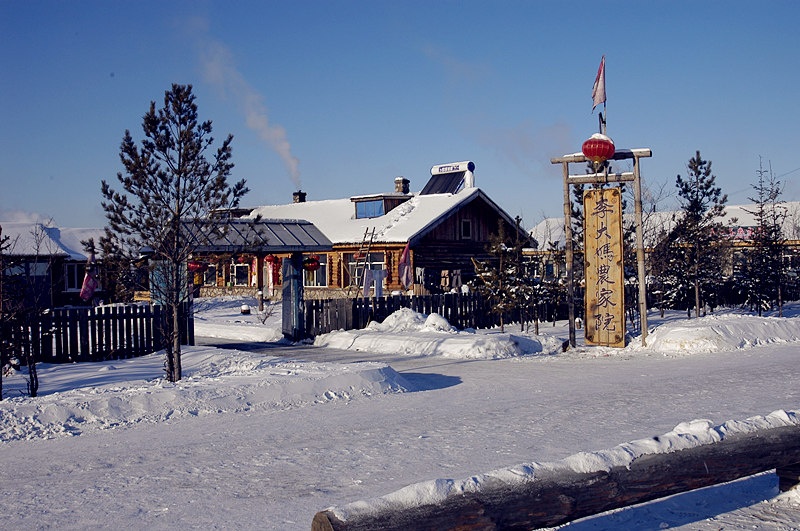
column 318, row 278
column 373, row 208
column 74, row 271
column 234, row 274
column 466, row 229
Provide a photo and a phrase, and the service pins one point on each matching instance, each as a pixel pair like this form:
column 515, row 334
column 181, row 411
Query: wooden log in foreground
column 558, row 495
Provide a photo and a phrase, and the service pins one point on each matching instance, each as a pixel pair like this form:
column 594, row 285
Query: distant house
column 443, row 227
column 46, row 264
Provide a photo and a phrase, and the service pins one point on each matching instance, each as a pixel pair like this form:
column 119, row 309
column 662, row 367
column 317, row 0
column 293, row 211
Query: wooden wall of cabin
column 448, row 248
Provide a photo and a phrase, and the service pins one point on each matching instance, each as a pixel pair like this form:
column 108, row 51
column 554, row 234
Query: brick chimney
column 299, row 197
column 401, row 185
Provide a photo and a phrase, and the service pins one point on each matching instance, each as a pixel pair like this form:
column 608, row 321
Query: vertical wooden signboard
column 605, row 280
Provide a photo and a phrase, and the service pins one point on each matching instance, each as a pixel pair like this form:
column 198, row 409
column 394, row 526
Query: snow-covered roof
column 336, row 217
column 37, row 239
column 552, row 229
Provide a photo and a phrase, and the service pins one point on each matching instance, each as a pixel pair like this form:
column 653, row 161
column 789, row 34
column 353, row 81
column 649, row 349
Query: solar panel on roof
column 444, row 183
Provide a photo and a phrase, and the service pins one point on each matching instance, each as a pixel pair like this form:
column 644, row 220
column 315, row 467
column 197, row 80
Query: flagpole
column 603, row 119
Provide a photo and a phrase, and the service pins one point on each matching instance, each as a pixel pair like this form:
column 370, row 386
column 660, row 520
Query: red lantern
column 311, row 263
column 197, row 267
column 599, row 148
column 270, row 258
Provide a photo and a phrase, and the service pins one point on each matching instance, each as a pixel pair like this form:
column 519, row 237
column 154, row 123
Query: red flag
column 599, row 88
column 404, row 273
column 90, row 282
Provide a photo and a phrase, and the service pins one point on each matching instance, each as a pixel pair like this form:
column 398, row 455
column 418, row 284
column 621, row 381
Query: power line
column 787, row 173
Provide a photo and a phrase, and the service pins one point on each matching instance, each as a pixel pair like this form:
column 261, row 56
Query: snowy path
column 274, row 469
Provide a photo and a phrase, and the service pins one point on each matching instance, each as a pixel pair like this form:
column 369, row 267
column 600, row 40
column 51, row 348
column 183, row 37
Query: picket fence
column 76, row 334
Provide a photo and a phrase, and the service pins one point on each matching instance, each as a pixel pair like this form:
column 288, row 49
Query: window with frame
column 210, row 276
column 240, row 274
column 466, row 229
column 318, row 278
column 369, row 209
column 73, row 276
column 375, row 262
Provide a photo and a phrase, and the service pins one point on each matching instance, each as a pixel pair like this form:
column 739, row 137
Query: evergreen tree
column 526, row 289
column 764, row 269
column 670, row 271
column 692, row 255
column 168, row 182
column 122, row 274
column 496, row 277
column 535, row 291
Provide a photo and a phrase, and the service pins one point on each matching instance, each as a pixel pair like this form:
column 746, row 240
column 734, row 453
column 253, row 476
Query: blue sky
column 340, row 97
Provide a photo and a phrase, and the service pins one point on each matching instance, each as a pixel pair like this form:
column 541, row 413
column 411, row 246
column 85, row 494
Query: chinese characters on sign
column 605, row 289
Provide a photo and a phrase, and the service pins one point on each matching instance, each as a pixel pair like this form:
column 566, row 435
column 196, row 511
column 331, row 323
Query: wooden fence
column 562, row 495
column 66, row 335
column 461, row 310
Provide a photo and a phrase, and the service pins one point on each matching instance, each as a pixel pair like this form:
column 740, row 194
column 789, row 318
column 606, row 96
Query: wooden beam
column 593, row 178
column 560, row 495
column 620, row 154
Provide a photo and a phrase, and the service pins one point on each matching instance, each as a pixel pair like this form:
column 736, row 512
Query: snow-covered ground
column 263, row 435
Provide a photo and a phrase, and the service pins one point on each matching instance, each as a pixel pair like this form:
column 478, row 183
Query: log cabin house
column 431, row 236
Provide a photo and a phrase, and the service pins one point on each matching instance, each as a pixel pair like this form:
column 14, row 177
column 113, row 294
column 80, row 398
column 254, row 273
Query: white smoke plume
column 220, row 70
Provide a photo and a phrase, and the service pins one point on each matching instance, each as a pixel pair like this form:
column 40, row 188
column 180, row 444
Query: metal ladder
column 363, row 261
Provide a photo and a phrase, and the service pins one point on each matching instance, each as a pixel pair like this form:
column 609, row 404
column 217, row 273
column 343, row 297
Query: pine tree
column 122, row 274
column 526, row 290
column 764, row 269
column 495, row 278
column 168, row 182
column 534, row 290
column 670, row 271
column 692, row 255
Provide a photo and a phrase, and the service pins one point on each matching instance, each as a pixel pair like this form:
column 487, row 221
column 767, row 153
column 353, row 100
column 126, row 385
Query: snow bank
column 409, row 333
column 89, row 396
column 716, row 333
column 406, row 332
column 684, row 436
